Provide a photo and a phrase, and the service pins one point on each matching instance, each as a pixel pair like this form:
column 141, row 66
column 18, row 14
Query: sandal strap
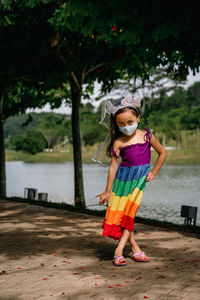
column 116, row 256
column 138, row 253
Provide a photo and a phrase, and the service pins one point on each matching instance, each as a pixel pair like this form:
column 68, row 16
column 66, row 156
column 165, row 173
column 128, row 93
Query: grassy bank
column 175, row 157
column 163, row 224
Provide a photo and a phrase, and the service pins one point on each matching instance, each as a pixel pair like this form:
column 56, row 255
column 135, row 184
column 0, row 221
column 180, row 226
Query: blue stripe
column 133, row 172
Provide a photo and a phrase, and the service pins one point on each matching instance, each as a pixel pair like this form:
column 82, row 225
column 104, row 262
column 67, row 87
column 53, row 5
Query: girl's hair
column 114, row 129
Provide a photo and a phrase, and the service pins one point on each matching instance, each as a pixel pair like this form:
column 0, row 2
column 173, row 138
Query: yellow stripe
column 117, row 203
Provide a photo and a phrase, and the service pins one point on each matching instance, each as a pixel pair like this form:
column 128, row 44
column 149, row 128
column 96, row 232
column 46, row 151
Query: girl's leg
column 134, row 246
column 122, row 242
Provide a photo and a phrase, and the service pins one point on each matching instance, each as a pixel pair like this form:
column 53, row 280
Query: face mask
column 129, row 130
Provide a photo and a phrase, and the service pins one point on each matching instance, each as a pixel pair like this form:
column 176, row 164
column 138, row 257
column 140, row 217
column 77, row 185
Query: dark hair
column 114, row 129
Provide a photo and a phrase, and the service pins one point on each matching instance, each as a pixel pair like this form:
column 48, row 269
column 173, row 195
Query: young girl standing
column 126, row 182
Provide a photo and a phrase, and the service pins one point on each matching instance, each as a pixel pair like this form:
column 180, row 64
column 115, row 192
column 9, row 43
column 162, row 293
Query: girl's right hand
column 104, row 197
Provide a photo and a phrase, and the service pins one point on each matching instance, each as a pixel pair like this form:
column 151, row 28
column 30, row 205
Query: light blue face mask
column 129, row 130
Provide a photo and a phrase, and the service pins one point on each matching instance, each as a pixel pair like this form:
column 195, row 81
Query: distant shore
column 174, row 157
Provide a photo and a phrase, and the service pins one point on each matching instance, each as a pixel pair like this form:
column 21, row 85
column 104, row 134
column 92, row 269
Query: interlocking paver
column 57, row 254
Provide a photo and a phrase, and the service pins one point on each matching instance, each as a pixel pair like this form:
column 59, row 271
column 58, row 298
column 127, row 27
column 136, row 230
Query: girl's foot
column 139, row 257
column 138, row 254
column 119, row 260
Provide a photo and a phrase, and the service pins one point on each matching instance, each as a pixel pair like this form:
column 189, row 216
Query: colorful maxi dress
column 128, row 187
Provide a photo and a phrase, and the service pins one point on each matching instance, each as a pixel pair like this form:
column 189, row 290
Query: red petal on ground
column 44, row 278
column 63, row 293
column 146, row 297
column 110, row 287
column 118, row 285
column 113, row 268
column 97, row 278
column 64, row 261
column 19, row 268
column 95, row 284
column 75, row 273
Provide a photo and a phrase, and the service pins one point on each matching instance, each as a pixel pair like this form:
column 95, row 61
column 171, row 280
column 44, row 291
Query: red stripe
column 115, row 231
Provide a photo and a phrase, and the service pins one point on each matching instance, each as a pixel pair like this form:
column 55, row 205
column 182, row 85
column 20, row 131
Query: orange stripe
column 114, row 217
column 131, row 209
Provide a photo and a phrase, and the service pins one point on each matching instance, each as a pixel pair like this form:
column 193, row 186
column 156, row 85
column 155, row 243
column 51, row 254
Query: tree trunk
column 76, row 90
column 2, row 152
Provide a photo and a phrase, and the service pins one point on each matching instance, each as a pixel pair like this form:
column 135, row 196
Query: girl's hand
column 104, row 197
column 150, row 176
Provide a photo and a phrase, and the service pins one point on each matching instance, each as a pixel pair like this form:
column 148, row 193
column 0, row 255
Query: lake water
column 174, row 186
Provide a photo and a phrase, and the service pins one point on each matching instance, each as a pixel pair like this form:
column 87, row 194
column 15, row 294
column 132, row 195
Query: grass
column 174, row 157
column 158, row 223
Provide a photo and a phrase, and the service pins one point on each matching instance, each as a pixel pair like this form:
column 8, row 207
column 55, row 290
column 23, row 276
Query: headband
column 125, row 102
column 109, row 107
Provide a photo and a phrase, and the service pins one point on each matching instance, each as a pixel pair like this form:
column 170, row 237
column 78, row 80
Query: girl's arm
column 162, row 154
column 110, row 179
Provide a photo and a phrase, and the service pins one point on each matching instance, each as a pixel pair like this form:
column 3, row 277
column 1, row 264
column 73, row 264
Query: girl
column 126, row 182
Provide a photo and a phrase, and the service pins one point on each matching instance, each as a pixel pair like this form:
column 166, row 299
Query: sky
column 64, row 109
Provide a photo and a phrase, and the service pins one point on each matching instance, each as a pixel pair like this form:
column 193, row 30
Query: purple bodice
column 135, row 154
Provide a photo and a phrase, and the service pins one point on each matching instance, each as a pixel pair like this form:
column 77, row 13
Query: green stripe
column 123, row 188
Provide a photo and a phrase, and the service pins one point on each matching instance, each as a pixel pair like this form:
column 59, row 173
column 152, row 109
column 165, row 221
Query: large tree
column 104, row 40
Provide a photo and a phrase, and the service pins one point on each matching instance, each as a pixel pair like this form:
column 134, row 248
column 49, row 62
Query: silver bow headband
column 127, row 101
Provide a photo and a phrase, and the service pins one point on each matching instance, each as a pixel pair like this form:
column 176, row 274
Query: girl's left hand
column 150, row 176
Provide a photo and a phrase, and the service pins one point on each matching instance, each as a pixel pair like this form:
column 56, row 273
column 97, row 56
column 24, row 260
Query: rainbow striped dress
column 128, row 187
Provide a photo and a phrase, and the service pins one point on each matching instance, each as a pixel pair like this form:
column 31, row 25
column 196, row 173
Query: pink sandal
column 122, row 263
column 144, row 257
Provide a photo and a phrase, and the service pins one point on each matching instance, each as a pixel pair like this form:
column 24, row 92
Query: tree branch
column 95, row 67
column 60, row 54
column 76, row 80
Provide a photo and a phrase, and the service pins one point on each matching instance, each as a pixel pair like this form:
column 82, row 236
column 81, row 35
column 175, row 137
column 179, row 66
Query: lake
column 174, row 186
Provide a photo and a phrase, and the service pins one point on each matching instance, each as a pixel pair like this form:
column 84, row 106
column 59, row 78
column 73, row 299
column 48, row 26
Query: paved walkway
column 47, row 253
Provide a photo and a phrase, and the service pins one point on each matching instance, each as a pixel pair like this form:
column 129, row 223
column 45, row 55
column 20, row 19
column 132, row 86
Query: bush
column 31, row 142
